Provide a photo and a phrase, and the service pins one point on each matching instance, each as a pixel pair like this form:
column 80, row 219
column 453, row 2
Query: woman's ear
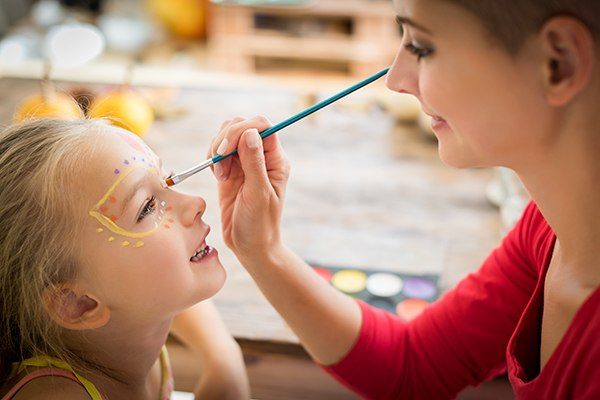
column 569, row 54
column 73, row 308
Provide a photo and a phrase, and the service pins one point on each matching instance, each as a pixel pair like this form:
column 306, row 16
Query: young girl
column 514, row 84
column 96, row 260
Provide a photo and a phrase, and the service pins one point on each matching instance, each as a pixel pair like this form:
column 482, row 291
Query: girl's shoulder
column 47, row 386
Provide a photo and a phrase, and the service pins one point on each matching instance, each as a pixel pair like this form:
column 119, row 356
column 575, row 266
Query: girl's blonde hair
column 39, row 163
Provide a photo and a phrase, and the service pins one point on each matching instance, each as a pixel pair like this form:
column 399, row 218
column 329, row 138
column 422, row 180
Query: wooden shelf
column 361, row 35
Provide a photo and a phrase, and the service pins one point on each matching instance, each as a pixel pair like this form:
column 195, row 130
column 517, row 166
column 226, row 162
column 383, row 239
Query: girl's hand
column 223, row 375
column 251, row 187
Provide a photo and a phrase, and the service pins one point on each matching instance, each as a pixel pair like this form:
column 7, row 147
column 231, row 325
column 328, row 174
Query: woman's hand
column 251, row 187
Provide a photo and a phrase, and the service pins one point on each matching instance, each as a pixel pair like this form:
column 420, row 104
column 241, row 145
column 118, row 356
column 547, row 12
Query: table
column 364, row 192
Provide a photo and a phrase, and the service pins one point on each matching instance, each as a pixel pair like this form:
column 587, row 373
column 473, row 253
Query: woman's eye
column 148, row 209
column 420, row 52
column 400, row 27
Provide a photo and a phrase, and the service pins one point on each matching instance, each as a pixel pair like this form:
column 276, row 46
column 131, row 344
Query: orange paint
column 169, row 208
column 112, row 199
column 167, row 226
column 113, row 218
column 103, row 209
column 411, row 308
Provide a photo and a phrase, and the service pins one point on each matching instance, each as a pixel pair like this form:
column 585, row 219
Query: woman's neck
column 122, row 356
column 565, row 183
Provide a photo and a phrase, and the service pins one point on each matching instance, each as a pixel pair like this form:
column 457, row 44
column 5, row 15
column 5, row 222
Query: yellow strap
column 165, row 373
column 46, row 361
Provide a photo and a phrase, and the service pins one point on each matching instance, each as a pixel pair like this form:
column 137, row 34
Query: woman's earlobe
column 570, row 50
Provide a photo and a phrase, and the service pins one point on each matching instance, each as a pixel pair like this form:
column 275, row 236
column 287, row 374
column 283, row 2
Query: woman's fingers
column 229, row 138
column 235, row 130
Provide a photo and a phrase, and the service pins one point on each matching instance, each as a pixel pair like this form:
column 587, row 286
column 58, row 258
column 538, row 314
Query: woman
column 514, row 85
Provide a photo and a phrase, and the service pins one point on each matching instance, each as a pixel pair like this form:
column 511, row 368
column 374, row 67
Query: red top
column 490, row 321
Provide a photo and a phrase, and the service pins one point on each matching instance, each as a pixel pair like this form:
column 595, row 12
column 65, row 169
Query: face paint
column 106, row 210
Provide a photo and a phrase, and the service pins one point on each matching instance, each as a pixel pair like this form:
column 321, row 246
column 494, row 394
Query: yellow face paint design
column 109, row 221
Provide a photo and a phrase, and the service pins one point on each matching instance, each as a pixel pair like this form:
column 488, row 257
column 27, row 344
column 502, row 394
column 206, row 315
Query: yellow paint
column 138, row 244
column 99, row 230
column 350, row 281
column 125, row 243
column 111, row 225
column 111, row 239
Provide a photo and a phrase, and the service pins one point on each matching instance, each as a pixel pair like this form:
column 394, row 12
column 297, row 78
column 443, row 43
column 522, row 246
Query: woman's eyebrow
column 407, row 21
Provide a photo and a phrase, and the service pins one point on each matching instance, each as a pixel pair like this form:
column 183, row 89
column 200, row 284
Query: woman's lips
column 438, row 123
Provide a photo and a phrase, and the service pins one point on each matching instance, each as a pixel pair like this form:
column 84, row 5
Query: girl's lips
column 210, row 253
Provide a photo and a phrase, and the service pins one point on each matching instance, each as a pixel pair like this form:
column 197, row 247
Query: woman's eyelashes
column 418, row 51
column 149, row 208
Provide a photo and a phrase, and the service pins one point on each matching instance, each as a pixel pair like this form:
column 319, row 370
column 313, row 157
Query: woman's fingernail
column 222, row 147
column 252, row 139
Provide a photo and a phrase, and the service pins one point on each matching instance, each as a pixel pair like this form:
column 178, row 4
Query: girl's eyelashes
column 148, row 209
column 418, row 51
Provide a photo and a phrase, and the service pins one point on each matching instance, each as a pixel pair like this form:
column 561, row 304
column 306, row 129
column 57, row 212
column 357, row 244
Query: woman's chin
column 457, row 157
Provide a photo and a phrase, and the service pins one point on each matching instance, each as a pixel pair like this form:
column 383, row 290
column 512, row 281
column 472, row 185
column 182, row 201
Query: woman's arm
column 251, row 195
column 460, row 340
column 202, row 330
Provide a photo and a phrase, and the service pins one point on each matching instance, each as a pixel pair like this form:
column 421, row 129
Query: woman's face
column 140, row 239
column 488, row 106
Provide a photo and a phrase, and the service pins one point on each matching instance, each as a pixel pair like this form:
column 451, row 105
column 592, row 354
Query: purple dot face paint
column 126, row 162
column 419, row 288
column 117, row 171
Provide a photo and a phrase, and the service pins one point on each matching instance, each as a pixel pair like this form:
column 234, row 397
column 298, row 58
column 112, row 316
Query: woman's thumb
column 252, row 159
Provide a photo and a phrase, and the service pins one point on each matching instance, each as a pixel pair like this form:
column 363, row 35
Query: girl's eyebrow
column 407, row 21
column 134, row 189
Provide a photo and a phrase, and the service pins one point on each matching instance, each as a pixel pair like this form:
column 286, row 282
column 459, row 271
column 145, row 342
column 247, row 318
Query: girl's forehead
column 118, row 153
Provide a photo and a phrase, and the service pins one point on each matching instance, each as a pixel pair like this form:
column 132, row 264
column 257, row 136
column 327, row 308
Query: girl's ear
column 74, row 309
column 569, row 54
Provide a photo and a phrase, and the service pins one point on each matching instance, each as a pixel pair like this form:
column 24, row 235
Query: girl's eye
column 420, row 52
column 148, row 209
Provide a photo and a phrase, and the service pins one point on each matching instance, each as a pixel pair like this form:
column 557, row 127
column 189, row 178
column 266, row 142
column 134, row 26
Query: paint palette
column 403, row 294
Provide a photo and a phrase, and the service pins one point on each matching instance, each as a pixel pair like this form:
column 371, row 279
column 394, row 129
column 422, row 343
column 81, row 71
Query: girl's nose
column 403, row 76
column 189, row 208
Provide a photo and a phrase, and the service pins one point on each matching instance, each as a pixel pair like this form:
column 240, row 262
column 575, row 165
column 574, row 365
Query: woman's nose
column 403, row 76
column 189, row 208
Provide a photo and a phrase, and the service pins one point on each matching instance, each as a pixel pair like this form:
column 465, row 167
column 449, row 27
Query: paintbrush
column 175, row 179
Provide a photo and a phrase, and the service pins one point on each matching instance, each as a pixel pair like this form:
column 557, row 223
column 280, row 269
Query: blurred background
column 368, row 191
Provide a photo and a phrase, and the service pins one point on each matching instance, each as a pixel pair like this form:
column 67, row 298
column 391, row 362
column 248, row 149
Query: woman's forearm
column 326, row 321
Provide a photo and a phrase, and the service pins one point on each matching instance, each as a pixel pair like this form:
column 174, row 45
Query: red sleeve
column 459, row 340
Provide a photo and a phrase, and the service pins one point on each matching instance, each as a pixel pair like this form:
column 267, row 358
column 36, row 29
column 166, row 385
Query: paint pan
column 405, row 294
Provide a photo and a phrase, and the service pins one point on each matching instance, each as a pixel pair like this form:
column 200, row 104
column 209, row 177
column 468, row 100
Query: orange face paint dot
column 169, row 208
column 112, row 199
column 167, row 226
column 113, row 218
column 103, row 209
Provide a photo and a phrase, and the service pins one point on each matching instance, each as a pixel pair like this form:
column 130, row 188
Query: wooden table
column 363, row 192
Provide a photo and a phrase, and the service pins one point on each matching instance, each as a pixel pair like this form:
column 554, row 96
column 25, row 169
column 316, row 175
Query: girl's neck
column 565, row 183
column 123, row 357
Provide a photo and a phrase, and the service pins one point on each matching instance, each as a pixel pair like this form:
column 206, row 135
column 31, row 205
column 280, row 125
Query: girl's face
column 141, row 240
column 488, row 106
